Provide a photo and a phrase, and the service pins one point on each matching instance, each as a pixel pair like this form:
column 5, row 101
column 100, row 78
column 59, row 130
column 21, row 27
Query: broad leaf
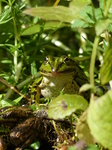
column 65, row 105
column 59, row 13
column 100, row 119
column 101, row 26
column 106, row 69
column 79, row 4
column 83, row 131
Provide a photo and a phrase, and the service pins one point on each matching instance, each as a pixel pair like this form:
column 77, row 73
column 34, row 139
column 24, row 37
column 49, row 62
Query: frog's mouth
column 55, row 73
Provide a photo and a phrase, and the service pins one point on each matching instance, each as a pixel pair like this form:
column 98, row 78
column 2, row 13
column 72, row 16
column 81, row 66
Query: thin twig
column 13, row 88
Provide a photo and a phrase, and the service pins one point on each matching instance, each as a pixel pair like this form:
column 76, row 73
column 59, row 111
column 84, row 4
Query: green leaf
column 80, row 4
column 101, row 26
column 65, row 105
column 100, row 119
column 17, row 100
column 78, row 23
column 86, row 18
column 59, row 13
column 101, row 4
column 106, row 69
column 93, row 147
column 72, row 148
column 33, row 68
column 2, row 22
column 35, row 145
column 5, row 1
column 85, row 87
column 81, row 146
column 83, row 131
column 4, row 103
column 48, row 26
column 4, row 129
column 5, row 15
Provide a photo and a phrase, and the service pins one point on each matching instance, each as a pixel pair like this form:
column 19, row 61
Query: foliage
column 29, row 31
column 107, row 65
column 103, row 123
column 65, row 105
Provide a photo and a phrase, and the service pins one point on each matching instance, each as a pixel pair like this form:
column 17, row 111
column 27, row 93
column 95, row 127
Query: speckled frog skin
column 60, row 74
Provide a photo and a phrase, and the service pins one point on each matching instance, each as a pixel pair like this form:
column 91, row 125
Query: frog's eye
column 46, row 59
column 66, row 59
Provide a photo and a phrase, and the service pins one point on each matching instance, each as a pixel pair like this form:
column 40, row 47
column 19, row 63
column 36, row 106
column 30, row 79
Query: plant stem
column 92, row 63
column 27, row 81
column 56, row 3
column 107, row 7
column 0, row 7
column 16, row 52
column 17, row 66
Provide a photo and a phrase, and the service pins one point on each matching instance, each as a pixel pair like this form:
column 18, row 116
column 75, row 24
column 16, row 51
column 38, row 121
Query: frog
column 59, row 75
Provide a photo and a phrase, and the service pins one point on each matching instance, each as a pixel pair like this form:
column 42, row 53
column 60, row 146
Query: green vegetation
column 82, row 29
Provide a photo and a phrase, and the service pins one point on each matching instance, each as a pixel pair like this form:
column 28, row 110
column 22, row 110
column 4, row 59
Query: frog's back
column 79, row 76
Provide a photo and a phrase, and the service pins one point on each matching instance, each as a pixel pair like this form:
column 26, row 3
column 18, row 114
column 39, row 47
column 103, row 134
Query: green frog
column 59, row 74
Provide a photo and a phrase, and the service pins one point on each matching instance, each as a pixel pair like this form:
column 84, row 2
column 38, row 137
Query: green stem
column 27, row 81
column 0, row 7
column 17, row 66
column 107, row 7
column 92, row 64
column 17, row 38
column 16, row 52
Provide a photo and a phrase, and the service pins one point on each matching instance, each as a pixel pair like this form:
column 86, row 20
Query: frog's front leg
column 37, row 95
column 35, row 91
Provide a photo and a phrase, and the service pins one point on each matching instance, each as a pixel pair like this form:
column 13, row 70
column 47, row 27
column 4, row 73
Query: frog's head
column 56, row 65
